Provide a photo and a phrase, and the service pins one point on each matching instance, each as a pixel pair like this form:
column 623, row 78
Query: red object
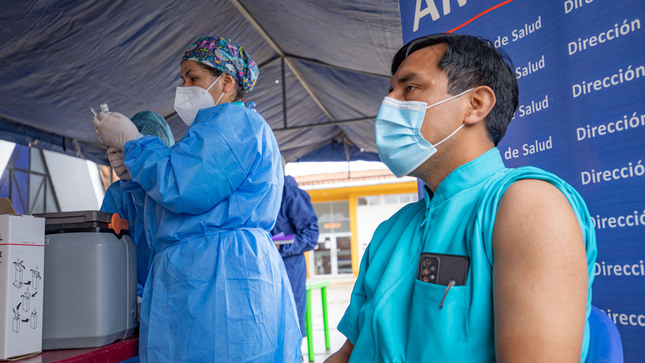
column 113, row 353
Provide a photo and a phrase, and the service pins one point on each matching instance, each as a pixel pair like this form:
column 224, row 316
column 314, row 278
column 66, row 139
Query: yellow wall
column 352, row 194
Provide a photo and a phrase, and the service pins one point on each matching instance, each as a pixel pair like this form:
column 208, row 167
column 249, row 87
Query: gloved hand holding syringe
column 114, row 129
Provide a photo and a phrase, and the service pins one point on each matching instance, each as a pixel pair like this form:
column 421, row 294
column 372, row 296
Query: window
column 369, row 200
column 400, row 198
column 332, row 216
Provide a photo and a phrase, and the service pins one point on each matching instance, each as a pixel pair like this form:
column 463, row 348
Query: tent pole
column 332, row 66
column 284, row 97
column 245, row 13
column 266, row 63
column 333, row 123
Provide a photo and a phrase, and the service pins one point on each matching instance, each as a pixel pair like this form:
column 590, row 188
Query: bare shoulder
column 536, row 210
column 534, row 193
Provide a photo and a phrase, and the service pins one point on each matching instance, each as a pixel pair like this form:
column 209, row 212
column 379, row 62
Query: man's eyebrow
column 407, row 77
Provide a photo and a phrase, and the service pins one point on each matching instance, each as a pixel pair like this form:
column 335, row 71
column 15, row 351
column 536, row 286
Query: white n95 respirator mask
column 189, row 100
column 398, row 134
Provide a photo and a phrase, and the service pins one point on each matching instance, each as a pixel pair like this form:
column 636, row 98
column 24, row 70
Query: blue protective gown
column 217, row 288
column 127, row 198
column 393, row 317
column 298, row 218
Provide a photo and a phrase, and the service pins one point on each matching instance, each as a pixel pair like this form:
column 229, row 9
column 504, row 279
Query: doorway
column 333, row 255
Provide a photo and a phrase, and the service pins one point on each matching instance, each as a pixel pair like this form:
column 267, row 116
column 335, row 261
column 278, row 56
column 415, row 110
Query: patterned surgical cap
column 227, row 56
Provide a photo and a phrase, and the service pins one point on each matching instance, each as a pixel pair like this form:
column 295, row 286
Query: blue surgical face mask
column 398, row 134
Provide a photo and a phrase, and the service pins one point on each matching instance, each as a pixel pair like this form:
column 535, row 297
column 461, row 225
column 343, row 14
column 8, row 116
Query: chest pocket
column 448, row 325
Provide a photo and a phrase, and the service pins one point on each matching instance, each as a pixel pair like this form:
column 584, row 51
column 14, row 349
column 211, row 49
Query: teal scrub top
column 393, row 317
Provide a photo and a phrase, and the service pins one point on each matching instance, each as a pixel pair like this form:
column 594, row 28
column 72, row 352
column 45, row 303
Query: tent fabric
column 321, row 63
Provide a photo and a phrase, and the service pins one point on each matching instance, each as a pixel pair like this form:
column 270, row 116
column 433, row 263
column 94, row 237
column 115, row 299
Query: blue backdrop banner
column 580, row 65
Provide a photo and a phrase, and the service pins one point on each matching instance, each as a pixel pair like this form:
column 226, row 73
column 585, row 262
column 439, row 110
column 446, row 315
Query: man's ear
column 482, row 100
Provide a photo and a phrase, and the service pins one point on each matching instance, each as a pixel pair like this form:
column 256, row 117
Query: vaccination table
column 113, row 353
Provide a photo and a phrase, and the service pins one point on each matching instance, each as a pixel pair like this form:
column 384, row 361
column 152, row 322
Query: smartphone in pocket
column 440, row 269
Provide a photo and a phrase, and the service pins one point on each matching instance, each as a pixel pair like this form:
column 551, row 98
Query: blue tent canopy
column 324, row 67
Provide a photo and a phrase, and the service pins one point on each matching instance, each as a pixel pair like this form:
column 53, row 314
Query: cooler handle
column 117, row 224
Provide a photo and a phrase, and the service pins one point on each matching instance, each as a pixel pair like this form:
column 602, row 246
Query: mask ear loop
column 446, row 100
column 211, row 86
column 450, row 98
column 449, row 136
column 220, row 97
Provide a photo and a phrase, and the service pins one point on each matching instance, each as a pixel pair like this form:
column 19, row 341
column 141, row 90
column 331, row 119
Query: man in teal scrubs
column 526, row 234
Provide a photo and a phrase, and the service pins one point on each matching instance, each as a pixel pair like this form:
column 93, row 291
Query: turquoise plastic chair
column 605, row 344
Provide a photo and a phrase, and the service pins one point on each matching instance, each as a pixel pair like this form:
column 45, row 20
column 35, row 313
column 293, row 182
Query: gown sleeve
column 113, row 200
column 203, row 168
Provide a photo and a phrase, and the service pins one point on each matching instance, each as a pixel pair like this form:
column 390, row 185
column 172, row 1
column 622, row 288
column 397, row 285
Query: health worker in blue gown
column 127, row 198
column 298, row 218
column 217, row 290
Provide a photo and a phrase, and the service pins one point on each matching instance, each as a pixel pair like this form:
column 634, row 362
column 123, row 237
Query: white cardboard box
column 21, row 282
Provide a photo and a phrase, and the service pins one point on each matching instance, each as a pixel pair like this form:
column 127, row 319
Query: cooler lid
column 83, row 221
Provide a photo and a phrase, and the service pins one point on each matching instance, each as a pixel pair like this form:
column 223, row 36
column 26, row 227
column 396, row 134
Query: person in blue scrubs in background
column 526, row 235
column 217, row 289
column 126, row 198
column 298, row 218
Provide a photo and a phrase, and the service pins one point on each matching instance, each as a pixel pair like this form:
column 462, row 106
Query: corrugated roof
column 345, row 177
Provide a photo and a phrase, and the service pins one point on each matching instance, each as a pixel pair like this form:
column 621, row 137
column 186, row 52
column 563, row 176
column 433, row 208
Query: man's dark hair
column 239, row 96
column 471, row 62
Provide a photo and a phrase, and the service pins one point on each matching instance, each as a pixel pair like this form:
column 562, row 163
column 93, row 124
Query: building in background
column 350, row 206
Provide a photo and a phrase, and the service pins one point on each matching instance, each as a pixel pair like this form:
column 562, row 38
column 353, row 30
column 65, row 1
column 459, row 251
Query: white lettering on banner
column 626, row 123
column 431, row 9
column 500, row 40
column 528, row 29
column 625, row 172
column 520, row 33
column 629, row 269
column 574, row 4
column 627, row 75
column 626, row 319
column 537, row 146
column 533, row 107
column 528, row 149
column 530, row 68
column 635, row 219
column 618, row 30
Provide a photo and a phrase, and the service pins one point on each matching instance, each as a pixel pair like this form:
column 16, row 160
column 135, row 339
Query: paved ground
column 338, row 296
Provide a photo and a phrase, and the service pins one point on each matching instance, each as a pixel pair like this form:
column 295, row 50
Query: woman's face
column 192, row 74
